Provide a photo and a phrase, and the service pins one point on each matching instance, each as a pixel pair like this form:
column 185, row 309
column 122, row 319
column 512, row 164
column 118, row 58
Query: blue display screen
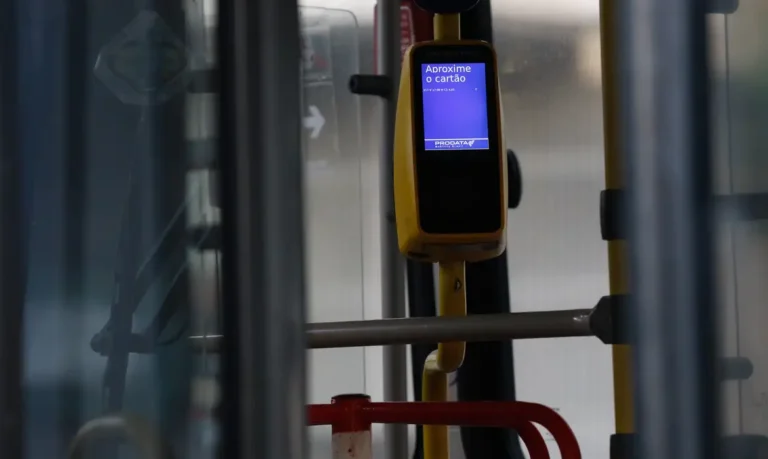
column 455, row 106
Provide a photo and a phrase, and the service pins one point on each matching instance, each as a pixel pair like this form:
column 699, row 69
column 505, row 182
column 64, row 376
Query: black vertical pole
column 74, row 75
column 488, row 372
column 666, row 141
column 263, row 376
column 12, row 266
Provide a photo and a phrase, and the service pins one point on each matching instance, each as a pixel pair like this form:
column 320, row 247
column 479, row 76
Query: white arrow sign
column 315, row 121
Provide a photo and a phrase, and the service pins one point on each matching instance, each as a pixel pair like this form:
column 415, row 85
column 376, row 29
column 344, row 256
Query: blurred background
column 549, row 53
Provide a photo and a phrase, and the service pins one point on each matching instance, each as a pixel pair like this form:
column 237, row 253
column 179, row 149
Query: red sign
column 415, row 26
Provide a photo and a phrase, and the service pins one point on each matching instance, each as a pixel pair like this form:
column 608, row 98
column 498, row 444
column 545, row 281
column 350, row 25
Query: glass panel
column 332, row 139
column 725, row 237
column 741, row 113
column 119, row 154
column 549, row 55
column 341, row 207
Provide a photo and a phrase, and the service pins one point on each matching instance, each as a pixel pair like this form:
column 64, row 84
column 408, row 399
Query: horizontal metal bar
column 485, row 327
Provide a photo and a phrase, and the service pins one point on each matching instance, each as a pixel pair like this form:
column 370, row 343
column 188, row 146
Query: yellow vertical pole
column 452, row 301
column 614, row 180
column 447, row 26
column 448, row 357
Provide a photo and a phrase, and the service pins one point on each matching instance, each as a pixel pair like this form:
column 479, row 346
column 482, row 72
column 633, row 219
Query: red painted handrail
column 357, row 412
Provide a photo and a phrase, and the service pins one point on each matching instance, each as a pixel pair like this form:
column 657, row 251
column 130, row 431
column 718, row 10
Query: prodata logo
column 454, row 143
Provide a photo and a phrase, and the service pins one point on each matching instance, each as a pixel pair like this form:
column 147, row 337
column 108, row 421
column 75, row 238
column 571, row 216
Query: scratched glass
column 123, row 211
column 119, row 133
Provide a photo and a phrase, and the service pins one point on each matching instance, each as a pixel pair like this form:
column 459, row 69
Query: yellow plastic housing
column 413, row 241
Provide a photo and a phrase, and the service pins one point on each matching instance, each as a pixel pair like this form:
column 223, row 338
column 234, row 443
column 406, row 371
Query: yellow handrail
column 452, row 301
column 447, row 27
column 452, row 298
column 614, row 180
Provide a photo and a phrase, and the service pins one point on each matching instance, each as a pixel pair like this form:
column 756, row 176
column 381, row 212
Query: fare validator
column 450, row 159
column 450, row 177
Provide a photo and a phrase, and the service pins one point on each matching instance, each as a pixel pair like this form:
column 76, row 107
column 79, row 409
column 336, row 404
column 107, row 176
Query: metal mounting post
column 393, row 264
column 666, row 140
column 262, row 230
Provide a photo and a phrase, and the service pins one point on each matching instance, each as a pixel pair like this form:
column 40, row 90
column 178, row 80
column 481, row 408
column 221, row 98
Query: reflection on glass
column 122, row 267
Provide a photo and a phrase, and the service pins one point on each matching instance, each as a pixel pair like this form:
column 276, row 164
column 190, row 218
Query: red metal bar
column 351, row 414
column 515, row 415
column 533, row 441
